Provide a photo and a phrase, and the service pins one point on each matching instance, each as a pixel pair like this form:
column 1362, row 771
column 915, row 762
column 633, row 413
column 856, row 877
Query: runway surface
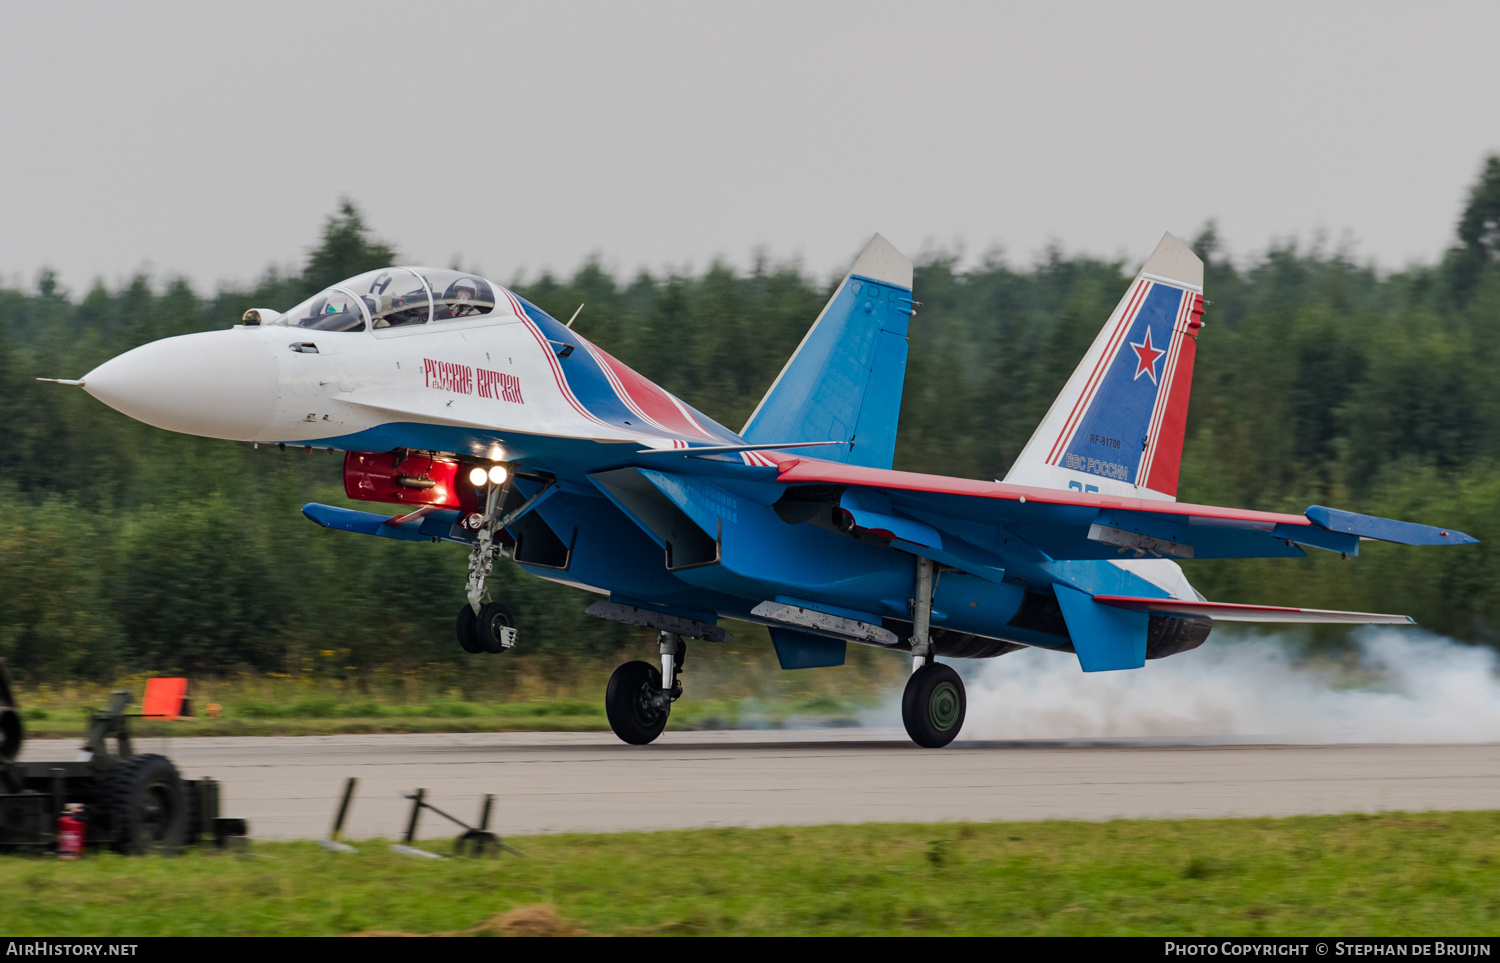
column 549, row 782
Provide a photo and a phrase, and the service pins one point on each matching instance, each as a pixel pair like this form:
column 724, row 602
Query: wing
column 1075, row 526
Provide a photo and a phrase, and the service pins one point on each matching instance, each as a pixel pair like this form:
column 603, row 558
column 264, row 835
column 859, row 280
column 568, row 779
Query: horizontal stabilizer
column 1233, row 612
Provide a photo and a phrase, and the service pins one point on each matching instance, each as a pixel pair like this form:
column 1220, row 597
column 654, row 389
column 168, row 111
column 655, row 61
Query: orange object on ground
column 165, row 698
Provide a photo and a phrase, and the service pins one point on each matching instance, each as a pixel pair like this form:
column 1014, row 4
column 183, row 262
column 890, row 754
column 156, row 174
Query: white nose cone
column 220, row 384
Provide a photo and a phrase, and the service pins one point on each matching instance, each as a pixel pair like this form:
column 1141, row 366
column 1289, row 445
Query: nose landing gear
column 490, row 627
column 639, row 697
column 492, row 630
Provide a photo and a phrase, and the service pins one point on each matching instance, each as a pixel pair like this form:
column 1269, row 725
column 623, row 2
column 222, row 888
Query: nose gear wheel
column 495, row 628
column 468, row 638
column 492, row 630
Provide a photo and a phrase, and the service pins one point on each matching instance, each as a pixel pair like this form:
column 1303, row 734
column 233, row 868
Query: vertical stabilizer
column 1118, row 425
column 844, row 381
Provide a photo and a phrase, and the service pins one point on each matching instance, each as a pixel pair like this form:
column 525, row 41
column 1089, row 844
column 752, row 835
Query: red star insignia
column 1146, row 357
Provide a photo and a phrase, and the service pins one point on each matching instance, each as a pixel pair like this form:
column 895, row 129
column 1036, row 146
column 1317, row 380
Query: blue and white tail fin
column 1118, row 425
column 844, row 381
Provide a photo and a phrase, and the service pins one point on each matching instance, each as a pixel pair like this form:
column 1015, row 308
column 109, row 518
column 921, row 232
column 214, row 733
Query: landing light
column 498, row 475
column 477, row 477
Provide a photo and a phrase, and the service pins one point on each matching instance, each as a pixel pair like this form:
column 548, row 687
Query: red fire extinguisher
column 70, row 832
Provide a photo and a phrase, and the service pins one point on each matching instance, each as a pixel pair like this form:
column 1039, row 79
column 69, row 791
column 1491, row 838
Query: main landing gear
column 934, row 703
column 639, row 698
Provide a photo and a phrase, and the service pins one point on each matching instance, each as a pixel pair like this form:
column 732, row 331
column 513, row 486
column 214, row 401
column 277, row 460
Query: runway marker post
column 333, row 844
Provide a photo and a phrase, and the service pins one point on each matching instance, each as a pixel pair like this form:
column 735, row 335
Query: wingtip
column 1385, row 529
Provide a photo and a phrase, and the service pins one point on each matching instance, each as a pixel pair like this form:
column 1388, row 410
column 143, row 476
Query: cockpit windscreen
column 336, row 309
column 395, row 297
column 456, row 295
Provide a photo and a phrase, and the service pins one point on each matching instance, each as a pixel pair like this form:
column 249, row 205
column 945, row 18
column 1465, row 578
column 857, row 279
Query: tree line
column 1319, row 380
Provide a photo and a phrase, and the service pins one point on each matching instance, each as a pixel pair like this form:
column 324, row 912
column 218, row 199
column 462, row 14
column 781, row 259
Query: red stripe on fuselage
column 551, row 356
column 619, row 389
column 647, row 399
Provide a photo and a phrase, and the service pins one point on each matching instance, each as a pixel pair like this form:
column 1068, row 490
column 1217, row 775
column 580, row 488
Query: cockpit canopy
column 395, row 297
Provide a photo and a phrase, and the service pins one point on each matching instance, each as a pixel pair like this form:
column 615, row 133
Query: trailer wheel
column 149, row 804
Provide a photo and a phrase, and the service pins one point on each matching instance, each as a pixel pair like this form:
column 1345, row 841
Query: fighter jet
column 494, row 426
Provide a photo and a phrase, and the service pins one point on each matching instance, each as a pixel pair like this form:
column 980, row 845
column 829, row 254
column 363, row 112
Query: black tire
column 468, row 637
column 492, row 618
column 933, row 705
column 12, row 734
column 148, row 805
column 628, row 703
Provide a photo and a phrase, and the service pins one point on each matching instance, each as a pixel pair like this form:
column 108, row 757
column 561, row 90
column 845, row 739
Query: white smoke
column 1404, row 687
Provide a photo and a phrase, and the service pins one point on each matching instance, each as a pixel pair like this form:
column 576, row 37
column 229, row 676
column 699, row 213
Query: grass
column 726, row 689
column 1391, row 874
column 327, row 716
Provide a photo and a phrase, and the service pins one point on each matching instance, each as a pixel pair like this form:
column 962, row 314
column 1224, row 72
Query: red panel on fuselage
column 377, row 477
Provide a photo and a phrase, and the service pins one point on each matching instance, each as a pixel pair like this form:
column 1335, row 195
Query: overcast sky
column 212, row 140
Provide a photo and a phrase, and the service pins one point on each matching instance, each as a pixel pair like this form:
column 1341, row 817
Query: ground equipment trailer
column 133, row 802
